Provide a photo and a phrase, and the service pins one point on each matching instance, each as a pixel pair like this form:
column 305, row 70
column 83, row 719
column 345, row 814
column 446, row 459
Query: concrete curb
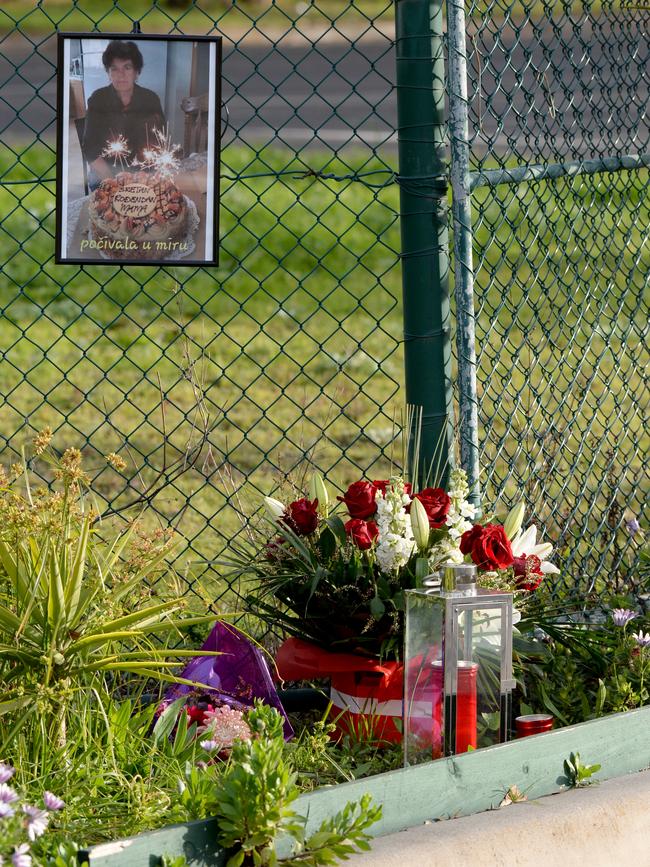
column 601, row 826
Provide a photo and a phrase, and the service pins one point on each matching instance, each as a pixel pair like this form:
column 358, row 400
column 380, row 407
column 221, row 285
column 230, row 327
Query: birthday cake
column 137, row 215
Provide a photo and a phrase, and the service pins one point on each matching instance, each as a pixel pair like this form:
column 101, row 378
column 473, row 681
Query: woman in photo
column 123, row 108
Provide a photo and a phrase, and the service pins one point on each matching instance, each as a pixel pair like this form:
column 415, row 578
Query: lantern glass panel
column 422, row 677
column 458, row 672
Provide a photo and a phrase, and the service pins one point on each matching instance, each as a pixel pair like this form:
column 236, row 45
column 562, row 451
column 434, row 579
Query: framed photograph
column 138, row 149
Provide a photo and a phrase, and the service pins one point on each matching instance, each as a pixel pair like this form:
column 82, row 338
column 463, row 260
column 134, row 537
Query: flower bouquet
column 334, row 573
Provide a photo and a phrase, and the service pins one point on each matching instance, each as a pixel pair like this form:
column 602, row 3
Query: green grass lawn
column 293, row 348
column 233, row 20
column 255, row 17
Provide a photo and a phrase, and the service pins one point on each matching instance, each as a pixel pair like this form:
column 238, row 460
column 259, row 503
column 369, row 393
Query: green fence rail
column 290, row 355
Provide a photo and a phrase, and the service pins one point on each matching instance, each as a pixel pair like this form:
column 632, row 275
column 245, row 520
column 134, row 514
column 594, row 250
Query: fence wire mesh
column 290, row 353
column 286, row 356
column 561, row 272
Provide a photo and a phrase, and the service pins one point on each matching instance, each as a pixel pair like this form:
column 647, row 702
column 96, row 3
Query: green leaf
column 9, row 563
column 383, row 587
column 319, row 839
column 550, row 706
column 377, row 608
column 319, row 573
column 180, row 623
column 14, row 704
column 8, row 621
column 398, row 600
column 55, row 598
column 108, row 562
column 75, row 578
column 337, row 527
column 327, row 543
column 237, row 859
column 421, row 570
column 102, row 638
column 153, row 613
column 601, row 695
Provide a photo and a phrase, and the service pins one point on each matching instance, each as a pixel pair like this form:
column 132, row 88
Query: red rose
column 469, row 537
column 362, row 533
column 436, row 504
column 382, row 484
column 302, row 516
column 528, row 572
column 488, row 546
column 360, row 499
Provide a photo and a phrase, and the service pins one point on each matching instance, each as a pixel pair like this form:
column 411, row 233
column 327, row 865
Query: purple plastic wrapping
column 236, row 677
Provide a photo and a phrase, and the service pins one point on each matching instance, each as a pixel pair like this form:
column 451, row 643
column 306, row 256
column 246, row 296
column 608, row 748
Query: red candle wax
column 466, row 735
column 466, row 731
column 533, row 724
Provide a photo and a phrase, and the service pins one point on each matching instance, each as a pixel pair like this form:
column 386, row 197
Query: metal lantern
column 457, row 666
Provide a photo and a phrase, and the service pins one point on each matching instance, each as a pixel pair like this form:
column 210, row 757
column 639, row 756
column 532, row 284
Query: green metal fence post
column 423, row 205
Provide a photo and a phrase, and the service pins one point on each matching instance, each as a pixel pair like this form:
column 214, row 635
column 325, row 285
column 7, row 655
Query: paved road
column 582, row 94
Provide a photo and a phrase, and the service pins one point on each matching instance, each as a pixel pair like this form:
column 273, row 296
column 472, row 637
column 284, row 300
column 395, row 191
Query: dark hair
column 120, row 50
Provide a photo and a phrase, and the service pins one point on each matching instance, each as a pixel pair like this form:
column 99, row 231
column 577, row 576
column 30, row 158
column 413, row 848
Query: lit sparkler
column 162, row 156
column 117, row 149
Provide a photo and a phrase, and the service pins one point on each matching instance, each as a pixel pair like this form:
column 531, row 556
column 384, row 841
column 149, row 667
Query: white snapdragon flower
column 446, row 551
column 396, row 543
column 456, row 524
column 467, row 510
column 461, row 511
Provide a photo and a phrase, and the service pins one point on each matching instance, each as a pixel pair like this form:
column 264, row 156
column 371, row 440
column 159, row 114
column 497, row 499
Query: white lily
column 274, row 508
column 525, row 544
column 419, row 524
column 513, row 523
column 318, row 491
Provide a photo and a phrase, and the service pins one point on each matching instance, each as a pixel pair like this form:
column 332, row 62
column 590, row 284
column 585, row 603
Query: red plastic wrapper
column 366, row 695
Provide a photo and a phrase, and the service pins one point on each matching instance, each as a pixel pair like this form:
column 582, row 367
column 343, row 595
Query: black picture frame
column 196, row 227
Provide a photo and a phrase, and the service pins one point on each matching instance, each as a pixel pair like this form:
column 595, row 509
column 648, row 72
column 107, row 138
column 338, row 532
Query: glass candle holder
column 457, row 669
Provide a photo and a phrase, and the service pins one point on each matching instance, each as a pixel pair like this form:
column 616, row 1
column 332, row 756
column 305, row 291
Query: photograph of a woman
column 122, row 108
column 138, row 149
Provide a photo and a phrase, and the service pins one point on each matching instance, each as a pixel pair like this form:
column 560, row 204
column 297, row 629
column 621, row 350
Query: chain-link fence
column 289, row 355
column 559, row 142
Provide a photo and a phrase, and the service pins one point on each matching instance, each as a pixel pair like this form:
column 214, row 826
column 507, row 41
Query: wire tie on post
column 426, row 335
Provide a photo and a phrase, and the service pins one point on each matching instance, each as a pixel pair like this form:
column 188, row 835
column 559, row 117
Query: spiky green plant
column 76, row 608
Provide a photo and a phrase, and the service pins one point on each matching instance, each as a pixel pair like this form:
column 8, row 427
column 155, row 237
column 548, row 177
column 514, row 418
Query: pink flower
column 6, row 772
column 7, row 794
column 52, row 802
column 36, row 822
column 6, row 810
column 223, row 727
column 621, row 616
column 21, row 856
